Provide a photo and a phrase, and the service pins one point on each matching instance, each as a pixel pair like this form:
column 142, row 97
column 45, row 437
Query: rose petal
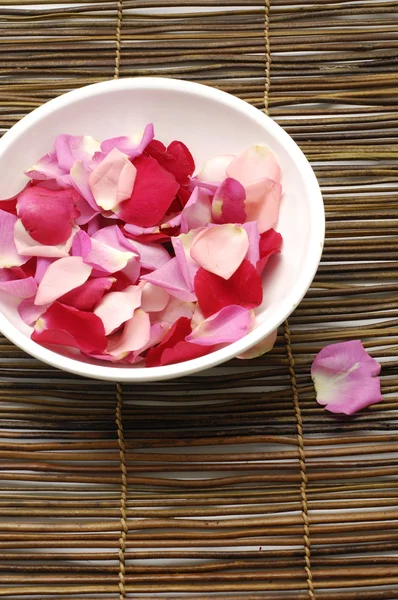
column 174, row 310
column 112, row 181
column 228, row 205
column 154, row 191
column 67, row 326
column 9, row 255
column 47, row 169
column 79, row 177
column 176, row 159
column 221, row 249
column 102, row 256
column 133, row 337
column 22, row 288
column 173, row 348
column 197, row 212
column 70, row 148
column 118, row 307
column 270, row 244
column 170, row 278
column 182, row 248
column 86, row 296
column 253, row 253
column 215, row 169
column 145, row 234
column 27, row 246
column 48, row 215
column 61, row 276
column 154, row 298
column 244, row 288
column 42, row 265
column 29, row 312
column 261, row 348
column 152, row 256
column 134, row 146
column 345, row 377
column 228, row 325
column 254, row 163
column 156, row 335
column 262, row 203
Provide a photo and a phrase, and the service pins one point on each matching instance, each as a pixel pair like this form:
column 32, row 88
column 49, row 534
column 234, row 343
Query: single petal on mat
column 244, row 288
column 70, row 148
column 133, row 337
column 221, row 249
column 29, row 312
column 27, row 246
column 154, row 191
column 197, row 211
column 215, row 169
column 270, row 244
column 118, row 307
column 133, row 146
column 261, row 348
column 48, row 215
column 226, row 326
column 47, row 168
column 86, row 296
column 61, row 276
column 262, row 203
column 173, row 348
column 9, row 254
column 22, row 288
column 67, row 326
column 170, row 278
column 112, row 181
column 346, row 378
column 228, row 205
column 154, row 298
column 254, row 163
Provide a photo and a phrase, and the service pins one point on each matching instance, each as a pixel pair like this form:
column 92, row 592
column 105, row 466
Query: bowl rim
column 297, row 292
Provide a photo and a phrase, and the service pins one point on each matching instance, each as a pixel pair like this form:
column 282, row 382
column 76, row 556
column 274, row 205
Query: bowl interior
column 209, row 122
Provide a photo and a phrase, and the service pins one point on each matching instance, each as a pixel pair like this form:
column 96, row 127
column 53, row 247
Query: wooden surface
column 233, row 485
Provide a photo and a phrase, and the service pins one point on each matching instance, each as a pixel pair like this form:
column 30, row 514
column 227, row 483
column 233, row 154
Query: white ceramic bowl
column 210, row 122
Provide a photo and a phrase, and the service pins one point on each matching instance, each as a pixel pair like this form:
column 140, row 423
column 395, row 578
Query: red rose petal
column 86, row 296
column 154, row 191
column 176, row 159
column 244, row 288
column 270, row 243
column 173, row 348
column 48, row 214
column 67, row 326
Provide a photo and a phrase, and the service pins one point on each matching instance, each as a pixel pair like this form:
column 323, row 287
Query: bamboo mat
column 233, row 485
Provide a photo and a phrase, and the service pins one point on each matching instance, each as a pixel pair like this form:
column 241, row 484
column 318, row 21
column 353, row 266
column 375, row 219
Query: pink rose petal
column 47, row 169
column 182, row 248
column 61, row 276
column 70, row 148
column 133, row 337
column 197, row 211
column 22, row 288
column 112, row 181
column 118, row 307
column 226, row 326
column 154, row 298
column 253, row 253
column 86, row 296
column 261, row 348
column 215, row 169
column 48, row 215
column 262, row 202
column 29, row 312
column 221, row 249
column 66, row 326
column 170, row 277
column 228, row 205
column 9, row 255
column 156, row 335
column 42, row 265
column 152, row 256
column 28, row 247
column 345, row 377
column 79, row 177
column 254, row 163
column 134, row 146
column 175, row 309
column 100, row 255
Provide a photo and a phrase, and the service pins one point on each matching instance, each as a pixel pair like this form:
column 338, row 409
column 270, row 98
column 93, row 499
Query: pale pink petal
column 112, row 181
column 29, row 312
column 133, row 269
column 175, row 309
column 253, row 253
column 136, row 230
column 170, row 277
column 157, row 333
column 345, row 377
column 87, row 213
column 261, row 348
column 9, row 254
column 42, row 265
column 262, row 203
column 152, row 256
column 228, row 205
column 22, row 288
column 100, row 255
column 116, row 308
column 133, row 337
column 221, row 249
column 70, row 148
column 197, row 211
column 60, row 277
column 214, row 170
column 113, row 236
column 182, row 245
column 254, row 163
column 46, row 169
column 154, row 298
column 79, row 177
column 226, row 326
column 28, row 247
column 132, row 146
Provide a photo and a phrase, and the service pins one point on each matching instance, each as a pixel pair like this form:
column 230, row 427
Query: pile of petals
column 123, row 251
